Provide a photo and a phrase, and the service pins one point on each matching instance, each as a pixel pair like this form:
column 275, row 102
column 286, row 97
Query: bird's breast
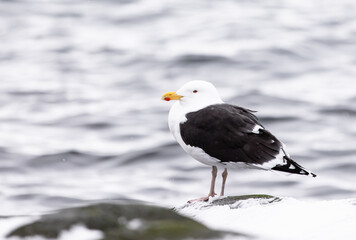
column 175, row 116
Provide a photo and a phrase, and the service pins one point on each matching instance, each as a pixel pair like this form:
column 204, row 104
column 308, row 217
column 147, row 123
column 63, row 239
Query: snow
column 77, row 232
column 9, row 224
column 288, row 219
column 80, row 232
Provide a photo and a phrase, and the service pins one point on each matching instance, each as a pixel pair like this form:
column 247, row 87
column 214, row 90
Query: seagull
column 223, row 135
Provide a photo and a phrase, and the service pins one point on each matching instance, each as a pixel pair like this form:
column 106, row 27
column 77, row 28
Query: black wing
column 224, row 132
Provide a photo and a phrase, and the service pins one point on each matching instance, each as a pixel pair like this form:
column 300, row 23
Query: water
column 81, row 81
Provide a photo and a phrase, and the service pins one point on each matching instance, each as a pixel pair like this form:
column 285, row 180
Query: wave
column 339, row 111
column 67, row 159
column 201, row 59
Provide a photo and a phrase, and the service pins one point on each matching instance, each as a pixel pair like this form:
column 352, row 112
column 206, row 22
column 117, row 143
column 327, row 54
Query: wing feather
column 225, row 132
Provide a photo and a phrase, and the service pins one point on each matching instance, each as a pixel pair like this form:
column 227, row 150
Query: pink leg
column 214, row 172
column 212, row 193
column 224, row 176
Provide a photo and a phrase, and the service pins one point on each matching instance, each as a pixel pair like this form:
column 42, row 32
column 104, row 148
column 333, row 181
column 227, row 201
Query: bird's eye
column 195, row 91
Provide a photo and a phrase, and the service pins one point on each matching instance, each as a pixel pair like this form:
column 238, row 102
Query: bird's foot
column 202, row 199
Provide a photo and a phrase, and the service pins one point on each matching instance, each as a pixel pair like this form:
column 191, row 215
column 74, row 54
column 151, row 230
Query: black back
column 224, row 132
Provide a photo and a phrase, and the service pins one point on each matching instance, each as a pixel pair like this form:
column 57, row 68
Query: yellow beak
column 171, row 96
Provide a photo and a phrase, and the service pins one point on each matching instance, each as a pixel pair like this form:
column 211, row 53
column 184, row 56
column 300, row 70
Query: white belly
column 175, row 118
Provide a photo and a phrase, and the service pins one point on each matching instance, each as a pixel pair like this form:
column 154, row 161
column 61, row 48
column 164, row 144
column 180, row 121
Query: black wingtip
column 291, row 166
column 313, row 174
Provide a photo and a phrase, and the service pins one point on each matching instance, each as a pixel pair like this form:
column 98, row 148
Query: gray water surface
column 80, row 84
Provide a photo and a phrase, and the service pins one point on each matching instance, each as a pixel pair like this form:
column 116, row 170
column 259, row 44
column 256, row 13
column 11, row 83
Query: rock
column 233, row 199
column 121, row 221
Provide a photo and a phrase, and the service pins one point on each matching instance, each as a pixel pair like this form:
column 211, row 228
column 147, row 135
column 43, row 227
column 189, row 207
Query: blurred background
column 81, row 118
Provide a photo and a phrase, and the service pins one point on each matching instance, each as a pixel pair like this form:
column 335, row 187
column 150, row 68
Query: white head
column 195, row 94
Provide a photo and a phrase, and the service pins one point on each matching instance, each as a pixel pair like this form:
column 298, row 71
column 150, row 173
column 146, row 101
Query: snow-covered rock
column 277, row 218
